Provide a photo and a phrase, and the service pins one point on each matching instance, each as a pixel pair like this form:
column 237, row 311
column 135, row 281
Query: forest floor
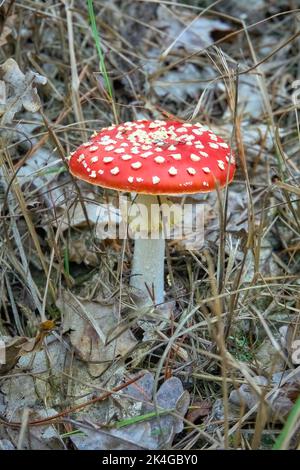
column 81, row 366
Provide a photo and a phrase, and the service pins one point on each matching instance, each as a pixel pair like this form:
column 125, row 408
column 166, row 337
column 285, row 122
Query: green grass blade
column 140, row 418
column 66, row 262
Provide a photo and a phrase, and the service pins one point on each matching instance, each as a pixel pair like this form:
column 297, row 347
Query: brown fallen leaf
column 7, row 29
column 142, row 431
column 35, row 344
column 280, row 394
column 90, row 325
column 12, row 353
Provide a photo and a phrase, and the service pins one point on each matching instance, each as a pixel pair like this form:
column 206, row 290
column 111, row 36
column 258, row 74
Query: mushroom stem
column 148, row 258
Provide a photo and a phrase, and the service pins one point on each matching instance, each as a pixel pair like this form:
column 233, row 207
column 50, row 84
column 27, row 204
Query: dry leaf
column 35, row 344
column 5, row 444
column 151, row 433
column 190, row 32
column 90, row 324
column 37, row 437
column 199, row 410
column 21, row 345
column 103, row 216
column 20, row 90
column 12, row 353
column 7, row 29
column 179, row 84
column 281, row 399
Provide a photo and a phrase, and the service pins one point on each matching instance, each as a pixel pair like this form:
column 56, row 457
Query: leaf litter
column 156, row 429
column 91, row 325
column 161, row 68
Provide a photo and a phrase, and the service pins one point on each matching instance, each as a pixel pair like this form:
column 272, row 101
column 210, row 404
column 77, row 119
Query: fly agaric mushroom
column 154, row 158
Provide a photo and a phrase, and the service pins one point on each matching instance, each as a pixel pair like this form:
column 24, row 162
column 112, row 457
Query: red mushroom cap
column 155, row 157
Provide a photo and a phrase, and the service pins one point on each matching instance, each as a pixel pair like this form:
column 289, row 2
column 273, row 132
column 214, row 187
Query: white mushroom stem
column 148, row 258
